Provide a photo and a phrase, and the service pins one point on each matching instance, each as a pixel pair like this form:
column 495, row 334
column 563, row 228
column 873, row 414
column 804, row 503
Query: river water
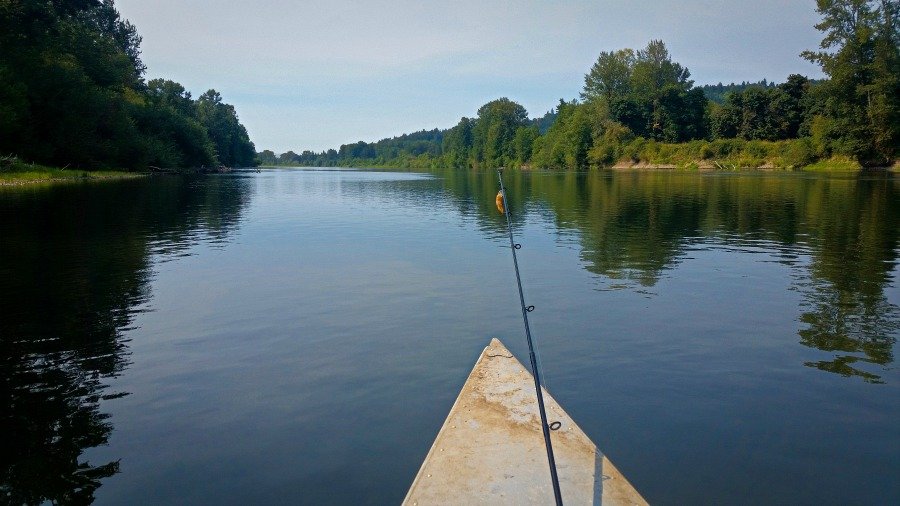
column 298, row 336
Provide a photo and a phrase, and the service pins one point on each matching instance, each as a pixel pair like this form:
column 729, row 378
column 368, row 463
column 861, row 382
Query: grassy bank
column 14, row 172
column 722, row 154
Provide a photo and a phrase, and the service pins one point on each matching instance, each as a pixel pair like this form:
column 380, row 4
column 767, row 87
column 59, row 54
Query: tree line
column 716, row 92
column 73, row 92
column 418, row 149
column 641, row 106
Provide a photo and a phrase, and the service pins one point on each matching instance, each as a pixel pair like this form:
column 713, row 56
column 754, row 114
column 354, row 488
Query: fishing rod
column 545, row 428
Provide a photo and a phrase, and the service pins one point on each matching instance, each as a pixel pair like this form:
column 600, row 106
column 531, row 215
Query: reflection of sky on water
column 277, row 326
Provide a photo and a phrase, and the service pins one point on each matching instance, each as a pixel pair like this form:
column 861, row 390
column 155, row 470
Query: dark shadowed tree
column 72, row 92
column 228, row 135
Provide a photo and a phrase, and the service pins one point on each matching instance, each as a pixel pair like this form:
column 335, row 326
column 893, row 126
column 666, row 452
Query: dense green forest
column 73, row 93
column 640, row 106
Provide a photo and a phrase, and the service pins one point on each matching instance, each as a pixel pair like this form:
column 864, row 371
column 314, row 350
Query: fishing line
column 545, row 427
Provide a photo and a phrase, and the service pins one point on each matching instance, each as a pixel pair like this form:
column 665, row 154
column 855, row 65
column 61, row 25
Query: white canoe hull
column 490, row 449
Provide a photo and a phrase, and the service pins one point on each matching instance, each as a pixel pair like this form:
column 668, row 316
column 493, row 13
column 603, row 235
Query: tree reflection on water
column 633, row 226
column 74, row 271
column 845, row 309
column 862, row 331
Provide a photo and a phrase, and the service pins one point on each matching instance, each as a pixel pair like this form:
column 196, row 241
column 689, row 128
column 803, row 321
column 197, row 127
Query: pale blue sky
column 317, row 74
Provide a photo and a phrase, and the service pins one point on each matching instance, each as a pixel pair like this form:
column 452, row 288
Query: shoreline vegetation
column 17, row 173
column 759, row 155
column 836, row 165
column 668, row 157
column 640, row 109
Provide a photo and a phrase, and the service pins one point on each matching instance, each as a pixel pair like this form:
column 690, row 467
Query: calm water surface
column 299, row 335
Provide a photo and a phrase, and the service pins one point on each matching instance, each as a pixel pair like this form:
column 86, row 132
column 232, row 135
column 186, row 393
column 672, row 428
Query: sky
column 310, row 74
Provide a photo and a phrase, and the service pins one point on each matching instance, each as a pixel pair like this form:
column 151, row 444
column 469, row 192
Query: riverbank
column 833, row 165
column 52, row 176
column 722, row 154
column 17, row 173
